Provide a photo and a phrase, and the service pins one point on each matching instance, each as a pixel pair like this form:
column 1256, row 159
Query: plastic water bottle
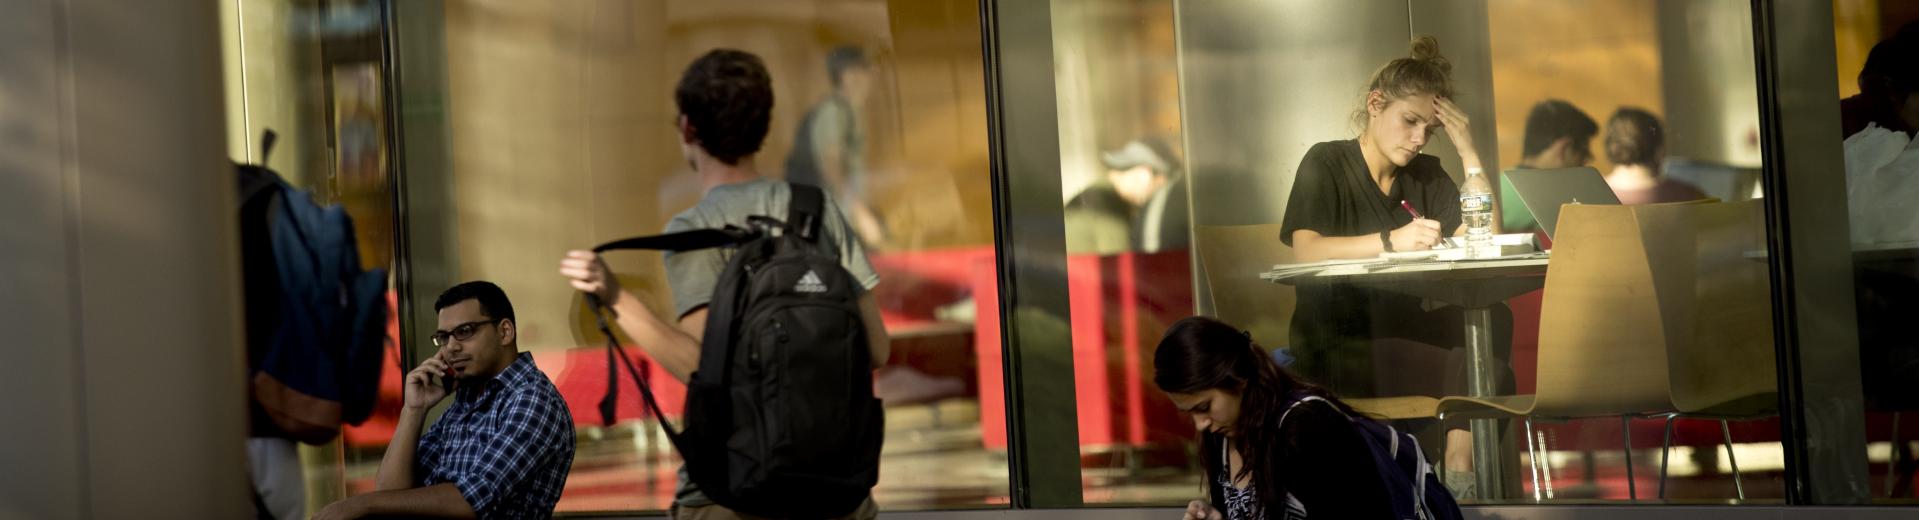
column 1476, row 209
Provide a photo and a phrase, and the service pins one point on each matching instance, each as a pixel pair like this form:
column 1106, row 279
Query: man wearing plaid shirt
column 502, row 450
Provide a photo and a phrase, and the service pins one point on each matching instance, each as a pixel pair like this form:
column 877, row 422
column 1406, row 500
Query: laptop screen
column 1543, row 191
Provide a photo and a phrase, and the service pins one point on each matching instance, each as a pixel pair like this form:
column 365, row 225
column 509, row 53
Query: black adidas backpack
column 780, row 415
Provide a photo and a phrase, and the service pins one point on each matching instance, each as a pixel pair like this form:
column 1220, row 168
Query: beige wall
column 1598, row 54
column 561, row 135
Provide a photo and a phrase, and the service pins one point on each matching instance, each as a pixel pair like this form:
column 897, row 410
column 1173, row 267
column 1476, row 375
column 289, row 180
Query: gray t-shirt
column 693, row 274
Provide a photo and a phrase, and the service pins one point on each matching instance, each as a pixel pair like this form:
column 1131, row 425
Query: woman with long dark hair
column 1256, row 467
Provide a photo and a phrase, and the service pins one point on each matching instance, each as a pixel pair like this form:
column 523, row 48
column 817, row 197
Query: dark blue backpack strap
column 805, row 211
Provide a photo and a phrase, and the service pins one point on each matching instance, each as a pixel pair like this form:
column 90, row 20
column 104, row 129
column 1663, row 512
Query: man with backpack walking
column 774, row 303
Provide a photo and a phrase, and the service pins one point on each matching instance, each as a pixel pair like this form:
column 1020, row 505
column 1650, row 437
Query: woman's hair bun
column 1425, row 48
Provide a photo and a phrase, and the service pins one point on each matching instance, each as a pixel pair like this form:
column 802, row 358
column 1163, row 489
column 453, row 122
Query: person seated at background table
column 1888, row 86
column 1558, row 135
column 1140, row 204
column 1636, row 145
column 1346, row 203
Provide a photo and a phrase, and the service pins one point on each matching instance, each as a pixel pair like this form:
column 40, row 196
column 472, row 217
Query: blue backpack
column 316, row 323
column 1411, row 484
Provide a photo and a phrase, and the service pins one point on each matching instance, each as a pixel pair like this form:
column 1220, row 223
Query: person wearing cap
column 1140, row 205
column 1147, row 176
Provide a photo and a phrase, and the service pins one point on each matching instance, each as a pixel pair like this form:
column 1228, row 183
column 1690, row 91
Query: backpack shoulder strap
column 804, row 211
column 682, row 241
column 1303, row 400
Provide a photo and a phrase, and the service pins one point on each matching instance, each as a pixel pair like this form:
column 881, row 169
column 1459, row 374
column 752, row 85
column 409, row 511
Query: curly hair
column 1423, row 71
column 727, row 97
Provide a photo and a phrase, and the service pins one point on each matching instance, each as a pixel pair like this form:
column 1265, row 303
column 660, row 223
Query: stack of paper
column 1284, row 271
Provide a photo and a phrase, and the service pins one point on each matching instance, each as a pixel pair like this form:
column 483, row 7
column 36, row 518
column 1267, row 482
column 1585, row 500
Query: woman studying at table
column 1347, row 203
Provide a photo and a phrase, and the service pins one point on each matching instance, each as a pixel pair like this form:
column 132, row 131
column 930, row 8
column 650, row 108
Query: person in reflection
column 1147, row 175
column 1346, row 203
column 725, row 100
column 1636, row 145
column 502, row 450
column 1558, row 135
column 829, row 149
column 1257, row 467
column 1140, row 205
column 1888, row 86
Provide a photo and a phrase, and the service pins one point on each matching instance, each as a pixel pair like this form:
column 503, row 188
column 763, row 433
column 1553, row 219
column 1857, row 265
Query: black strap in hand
column 609, row 403
column 683, row 241
column 804, row 211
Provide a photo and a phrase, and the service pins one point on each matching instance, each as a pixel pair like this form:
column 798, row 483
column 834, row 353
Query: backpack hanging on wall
column 780, row 415
column 315, row 322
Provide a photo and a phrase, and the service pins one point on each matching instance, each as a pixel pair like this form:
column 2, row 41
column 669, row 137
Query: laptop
column 1543, row 191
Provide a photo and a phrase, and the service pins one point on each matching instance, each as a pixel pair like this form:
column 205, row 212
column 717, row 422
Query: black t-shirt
column 1335, row 195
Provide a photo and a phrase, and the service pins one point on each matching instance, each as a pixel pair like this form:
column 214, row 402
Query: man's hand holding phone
column 430, row 382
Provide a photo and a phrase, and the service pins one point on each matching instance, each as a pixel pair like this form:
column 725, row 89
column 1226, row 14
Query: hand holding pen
column 1419, row 235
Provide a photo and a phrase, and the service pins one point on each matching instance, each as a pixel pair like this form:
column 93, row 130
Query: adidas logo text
column 810, row 284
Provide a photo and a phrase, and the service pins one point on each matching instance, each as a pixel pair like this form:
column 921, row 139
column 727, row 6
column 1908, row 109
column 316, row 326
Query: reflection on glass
column 312, row 75
column 1879, row 117
column 557, row 137
column 560, row 143
column 1126, row 205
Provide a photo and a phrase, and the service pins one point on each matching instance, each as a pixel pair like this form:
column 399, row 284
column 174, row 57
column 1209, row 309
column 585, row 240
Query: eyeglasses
column 461, row 332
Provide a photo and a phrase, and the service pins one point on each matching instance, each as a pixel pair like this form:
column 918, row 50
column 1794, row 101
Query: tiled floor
column 934, row 459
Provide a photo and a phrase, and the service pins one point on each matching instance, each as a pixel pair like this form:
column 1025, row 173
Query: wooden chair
column 1649, row 312
column 1723, row 368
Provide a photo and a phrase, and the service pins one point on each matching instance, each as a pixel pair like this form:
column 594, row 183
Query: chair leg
column 1546, row 468
column 1892, row 459
column 1665, row 452
column 1532, row 456
column 1738, row 487
column 1625, row 430
column 1442, row 446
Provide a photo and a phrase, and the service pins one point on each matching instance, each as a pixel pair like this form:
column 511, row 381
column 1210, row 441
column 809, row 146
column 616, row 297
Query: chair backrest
column 1233, row 257
column 1603, row 328
column 1726, row 366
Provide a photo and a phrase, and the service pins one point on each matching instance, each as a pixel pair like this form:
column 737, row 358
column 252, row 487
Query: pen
column 1409, row 209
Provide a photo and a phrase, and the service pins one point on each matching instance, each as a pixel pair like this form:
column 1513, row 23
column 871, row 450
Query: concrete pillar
column 121, row 385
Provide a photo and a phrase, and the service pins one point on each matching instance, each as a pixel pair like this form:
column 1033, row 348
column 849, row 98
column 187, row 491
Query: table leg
column 1481, row 368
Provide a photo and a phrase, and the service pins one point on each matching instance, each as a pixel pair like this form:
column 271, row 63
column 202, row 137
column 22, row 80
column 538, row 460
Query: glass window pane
column 1289, row 161
column 1127, row 240
column 532, row 129
column 312, row 73
column 1878, row 52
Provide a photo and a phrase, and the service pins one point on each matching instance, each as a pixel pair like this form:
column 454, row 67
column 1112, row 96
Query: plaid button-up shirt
column 507, row 444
